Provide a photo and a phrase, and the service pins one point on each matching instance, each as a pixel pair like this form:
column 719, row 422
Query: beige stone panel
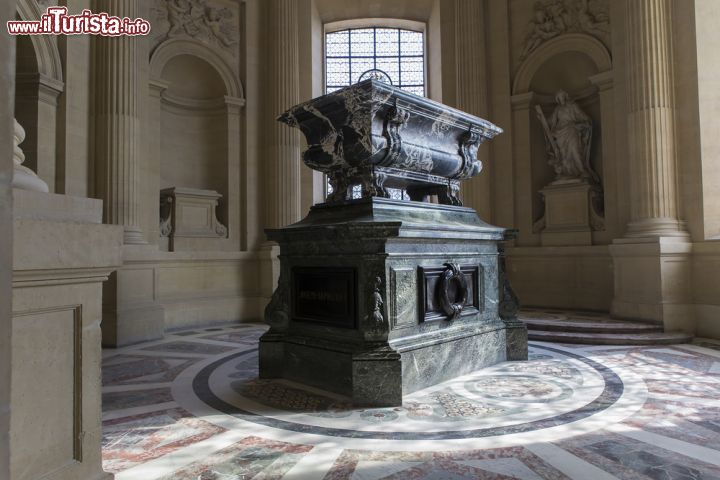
column 51, row 391
column 620, row 154
column 690, row 168
column 64, row 245
column 501, row 149
column 57, row 274
column 522, row 168
column 73, row 159
column 653, row 281
column 7, row 54
column 200, row 280
column 562, row 277
column 213, row 310
column 433, row 35
column 707, row 321
column 34, row 205
column 56, row 427
column 706, row 288
column 131, row 313
column 136, row 285
column 707, row 42
column 254, row 118
column 569, row 210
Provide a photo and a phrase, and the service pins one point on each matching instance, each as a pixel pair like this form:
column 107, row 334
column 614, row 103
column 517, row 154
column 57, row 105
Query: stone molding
column 570, row 42
column 183, row 46
column 46, row 49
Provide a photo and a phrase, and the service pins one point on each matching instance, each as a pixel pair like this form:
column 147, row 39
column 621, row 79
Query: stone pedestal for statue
column 378, row 298
column 570, row 213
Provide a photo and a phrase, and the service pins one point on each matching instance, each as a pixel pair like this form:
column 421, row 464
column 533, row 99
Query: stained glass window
column 392, row 55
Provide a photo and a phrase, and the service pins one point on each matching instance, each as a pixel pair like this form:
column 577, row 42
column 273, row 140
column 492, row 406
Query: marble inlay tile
column 244, row 460
column 242, row 337
column 561, row 389
column 136, row 398
column 189, row 347
column 628, row 458
column 134, row 440
column 186, row 334
column 503, row 463
column 140, row 369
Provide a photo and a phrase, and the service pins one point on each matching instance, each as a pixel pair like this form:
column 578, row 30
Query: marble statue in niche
column 568, row 138
column 197, row 19
column 555, row 17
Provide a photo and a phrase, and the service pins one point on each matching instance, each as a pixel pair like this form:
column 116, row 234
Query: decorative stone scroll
column 377, row 136
column 189, row 213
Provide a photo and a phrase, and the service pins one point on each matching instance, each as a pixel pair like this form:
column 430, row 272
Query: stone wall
column 213, row 128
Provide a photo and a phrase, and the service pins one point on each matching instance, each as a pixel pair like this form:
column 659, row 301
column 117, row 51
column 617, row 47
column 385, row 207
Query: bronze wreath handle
column 452, row 275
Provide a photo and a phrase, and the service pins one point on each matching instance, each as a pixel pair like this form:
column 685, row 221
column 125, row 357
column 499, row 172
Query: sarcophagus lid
column 377, row 136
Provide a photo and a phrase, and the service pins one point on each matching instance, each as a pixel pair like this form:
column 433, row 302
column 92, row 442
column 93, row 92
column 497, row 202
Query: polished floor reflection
column 191, row 407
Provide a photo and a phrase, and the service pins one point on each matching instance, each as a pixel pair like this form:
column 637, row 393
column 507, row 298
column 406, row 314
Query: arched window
column 394, row 55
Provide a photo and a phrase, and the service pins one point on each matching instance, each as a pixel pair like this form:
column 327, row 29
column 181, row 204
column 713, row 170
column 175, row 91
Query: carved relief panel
column 214, row 23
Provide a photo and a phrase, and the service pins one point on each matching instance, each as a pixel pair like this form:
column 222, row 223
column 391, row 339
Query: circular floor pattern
column 558, row 392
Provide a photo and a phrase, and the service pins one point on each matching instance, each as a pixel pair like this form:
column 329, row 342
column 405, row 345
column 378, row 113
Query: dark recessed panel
column 324, row 295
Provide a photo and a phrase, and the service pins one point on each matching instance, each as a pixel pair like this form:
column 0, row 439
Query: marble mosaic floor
column 190, row 407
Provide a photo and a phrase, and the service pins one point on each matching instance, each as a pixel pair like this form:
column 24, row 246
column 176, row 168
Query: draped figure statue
column 568, row 135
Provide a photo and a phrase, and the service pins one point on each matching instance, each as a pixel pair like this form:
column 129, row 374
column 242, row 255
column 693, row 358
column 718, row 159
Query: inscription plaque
column 324, row 295
column 429, row 298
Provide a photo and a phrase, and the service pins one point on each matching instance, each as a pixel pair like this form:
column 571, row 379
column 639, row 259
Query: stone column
column 23, row 177
column 117, row 133
column 651, row 120
column 282, row 184
column 651, row 263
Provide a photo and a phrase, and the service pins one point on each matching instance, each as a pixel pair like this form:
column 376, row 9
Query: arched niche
column 196, row 115
column 581, row 65
column 45, row 46
column 38, row 85
column 586, row 45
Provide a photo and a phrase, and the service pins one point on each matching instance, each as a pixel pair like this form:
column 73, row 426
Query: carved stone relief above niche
column 552, row 18
column 212, row 23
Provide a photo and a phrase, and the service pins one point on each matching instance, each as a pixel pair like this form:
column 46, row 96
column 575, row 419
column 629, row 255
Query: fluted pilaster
column 470, row 57
column 471, row 93
column 117, row 133
column 651, row 121
column 282, row 205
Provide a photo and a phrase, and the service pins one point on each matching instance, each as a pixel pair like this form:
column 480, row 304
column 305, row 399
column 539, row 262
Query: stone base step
column 591, row 326
column 652, row 338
